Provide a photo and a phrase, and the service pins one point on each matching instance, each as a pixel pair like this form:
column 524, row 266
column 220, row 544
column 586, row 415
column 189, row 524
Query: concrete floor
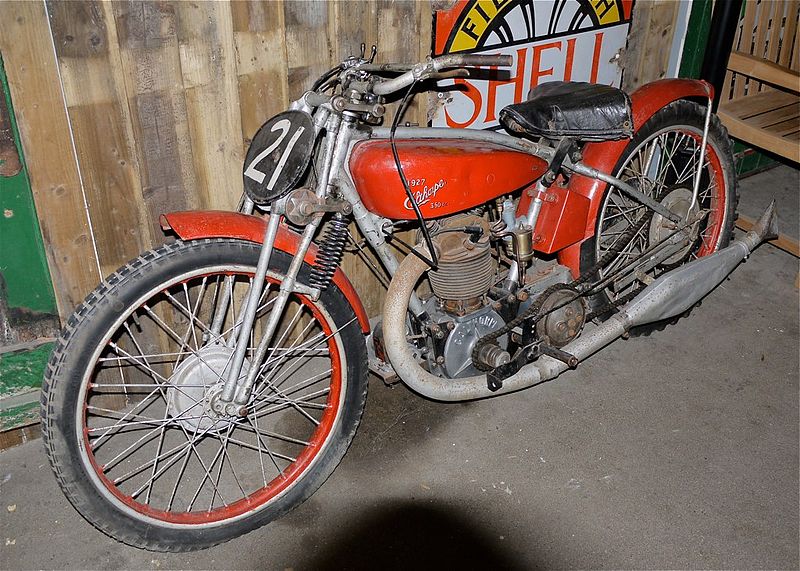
column 678, row 450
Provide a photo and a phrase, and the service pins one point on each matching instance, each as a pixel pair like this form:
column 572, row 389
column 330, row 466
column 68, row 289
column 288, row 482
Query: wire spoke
column 148, row 417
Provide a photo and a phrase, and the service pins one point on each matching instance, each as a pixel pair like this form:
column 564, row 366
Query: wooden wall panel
column 308, row 42
column 355, row 22
column 210, row 86
column 259, row 34
column 94, row 89
column 164, row 96
column 646, row 56
column 151, row 64
column 45, row 131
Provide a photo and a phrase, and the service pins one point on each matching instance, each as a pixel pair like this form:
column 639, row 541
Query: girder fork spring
column 330, row 253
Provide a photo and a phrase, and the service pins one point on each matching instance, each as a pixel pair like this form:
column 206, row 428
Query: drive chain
column 534, row 311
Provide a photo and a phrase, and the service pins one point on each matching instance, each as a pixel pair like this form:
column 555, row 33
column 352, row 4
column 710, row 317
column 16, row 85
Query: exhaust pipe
column 668, row 296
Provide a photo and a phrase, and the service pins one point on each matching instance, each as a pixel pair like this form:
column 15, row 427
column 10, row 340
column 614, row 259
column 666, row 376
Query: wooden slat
column 355, row 22
column 795, row 64
column 308, row 50
column 259, row 33
column 745, row 44
column 94, row 88
column 786, row 128
column 753, row 105
column 741, row 129
column 631, row 62
column 776, row 25
column 776, row 120
column 765, row 10
column 44, row 129
column 152, row 68
column 789, row 31
column 395, row 18
column 764, row 71
column 210, row 87
column 425, row 35
column 777, row 115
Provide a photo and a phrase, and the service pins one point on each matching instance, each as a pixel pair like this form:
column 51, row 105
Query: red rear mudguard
column 196, row 225
column 645, row 102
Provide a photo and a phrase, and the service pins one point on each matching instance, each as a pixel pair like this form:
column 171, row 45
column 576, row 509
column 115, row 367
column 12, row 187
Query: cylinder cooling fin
column 466, row 267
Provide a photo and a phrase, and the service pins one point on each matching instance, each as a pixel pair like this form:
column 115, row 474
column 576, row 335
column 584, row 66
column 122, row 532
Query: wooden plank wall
column 131, row 108
column 646, row 57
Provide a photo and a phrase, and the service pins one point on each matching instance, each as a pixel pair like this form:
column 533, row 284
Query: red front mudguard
column 564, row 229
column 196, row 225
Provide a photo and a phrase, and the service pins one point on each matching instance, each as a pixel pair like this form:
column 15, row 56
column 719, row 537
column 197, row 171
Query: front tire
column 126, row 419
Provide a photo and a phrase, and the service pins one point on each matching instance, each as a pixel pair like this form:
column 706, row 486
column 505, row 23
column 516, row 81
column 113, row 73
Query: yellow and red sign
column 569, row 40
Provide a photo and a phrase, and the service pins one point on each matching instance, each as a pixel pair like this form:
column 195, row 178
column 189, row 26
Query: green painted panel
column 21, row 415
column 694, row 47
column 20, row 379
column 23, row 371
column 27, row 304
column 23, row 265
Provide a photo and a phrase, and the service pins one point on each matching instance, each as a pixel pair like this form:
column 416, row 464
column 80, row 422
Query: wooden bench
column 768, row 119
column 760, row 100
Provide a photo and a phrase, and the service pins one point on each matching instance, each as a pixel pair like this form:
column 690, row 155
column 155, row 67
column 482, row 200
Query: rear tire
column 129, row 381
column 672, row 136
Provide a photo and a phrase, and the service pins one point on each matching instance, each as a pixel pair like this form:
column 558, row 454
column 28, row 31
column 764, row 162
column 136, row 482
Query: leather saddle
column 585, row 111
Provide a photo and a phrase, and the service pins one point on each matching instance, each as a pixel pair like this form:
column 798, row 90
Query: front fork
column 236, row 392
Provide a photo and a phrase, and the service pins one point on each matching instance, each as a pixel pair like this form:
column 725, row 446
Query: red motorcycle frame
column 481, row 174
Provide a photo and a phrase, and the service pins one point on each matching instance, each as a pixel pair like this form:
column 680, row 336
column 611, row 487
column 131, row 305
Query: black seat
column 586, row 111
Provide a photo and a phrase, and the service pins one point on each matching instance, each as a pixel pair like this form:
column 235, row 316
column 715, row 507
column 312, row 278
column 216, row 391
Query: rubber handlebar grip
column 475, row 60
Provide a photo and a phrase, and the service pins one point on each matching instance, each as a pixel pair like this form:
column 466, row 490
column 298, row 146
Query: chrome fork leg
column 251, row 306
column 234, row 394
column 246, row 207
column 288, row 285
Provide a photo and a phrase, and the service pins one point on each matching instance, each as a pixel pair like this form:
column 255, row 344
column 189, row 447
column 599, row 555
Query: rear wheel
column 662, row 161
column 126, row 403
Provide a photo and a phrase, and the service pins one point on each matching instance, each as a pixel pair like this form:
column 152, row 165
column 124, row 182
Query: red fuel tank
column 445, row 176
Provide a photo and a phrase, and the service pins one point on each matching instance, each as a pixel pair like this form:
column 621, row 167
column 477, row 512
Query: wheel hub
column 197, row 384
column 676, row 201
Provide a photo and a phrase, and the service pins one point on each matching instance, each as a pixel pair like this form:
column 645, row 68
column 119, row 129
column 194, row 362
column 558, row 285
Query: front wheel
column 126, row 401
column 662, row 161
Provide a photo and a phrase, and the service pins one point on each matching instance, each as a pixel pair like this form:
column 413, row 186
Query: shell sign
column 568, row 40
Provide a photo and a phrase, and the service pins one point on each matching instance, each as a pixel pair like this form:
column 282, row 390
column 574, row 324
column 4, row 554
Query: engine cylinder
column 466, row 266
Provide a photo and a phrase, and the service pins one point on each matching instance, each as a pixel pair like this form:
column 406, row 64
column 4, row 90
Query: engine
column 460, row 309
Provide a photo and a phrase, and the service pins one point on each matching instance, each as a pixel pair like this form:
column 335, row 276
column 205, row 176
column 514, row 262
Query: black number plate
column 278, row 156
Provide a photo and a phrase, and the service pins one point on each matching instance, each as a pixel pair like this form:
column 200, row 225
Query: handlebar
column 432, row 66
column 472, row 60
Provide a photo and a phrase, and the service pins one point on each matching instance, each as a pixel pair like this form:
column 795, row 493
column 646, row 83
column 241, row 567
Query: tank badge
column 426, row 194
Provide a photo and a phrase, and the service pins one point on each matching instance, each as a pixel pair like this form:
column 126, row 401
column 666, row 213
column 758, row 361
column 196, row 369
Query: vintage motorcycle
column 214, row 383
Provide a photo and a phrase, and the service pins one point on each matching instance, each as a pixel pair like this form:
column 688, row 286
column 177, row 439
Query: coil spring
column 330, row 253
